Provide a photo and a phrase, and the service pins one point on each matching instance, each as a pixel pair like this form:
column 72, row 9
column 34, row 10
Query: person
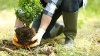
column 46, row 22
column 54, row 9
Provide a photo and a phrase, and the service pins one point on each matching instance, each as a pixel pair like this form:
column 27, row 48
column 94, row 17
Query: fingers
column 15, row 37
column 15, row 43
column 33, row 39
column 36, row 38
column 15, row 40
column 35, row 44
column 32, row 45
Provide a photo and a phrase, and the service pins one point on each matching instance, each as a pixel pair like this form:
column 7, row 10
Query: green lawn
column 87, row 39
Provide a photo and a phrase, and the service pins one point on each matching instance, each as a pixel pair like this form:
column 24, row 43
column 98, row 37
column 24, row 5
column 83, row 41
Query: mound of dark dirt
column 24, row 35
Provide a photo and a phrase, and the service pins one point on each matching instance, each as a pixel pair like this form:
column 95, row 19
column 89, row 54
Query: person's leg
column 57, row 29
column 70, row 31
column 70, row 15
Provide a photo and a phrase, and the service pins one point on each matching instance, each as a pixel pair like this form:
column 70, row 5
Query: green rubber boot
column 70, row 30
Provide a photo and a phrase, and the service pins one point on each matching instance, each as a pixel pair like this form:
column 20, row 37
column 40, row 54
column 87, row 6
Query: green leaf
column 31, row 9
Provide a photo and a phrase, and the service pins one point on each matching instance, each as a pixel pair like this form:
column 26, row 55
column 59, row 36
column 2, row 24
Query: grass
column 4, row 4
column 87, row 40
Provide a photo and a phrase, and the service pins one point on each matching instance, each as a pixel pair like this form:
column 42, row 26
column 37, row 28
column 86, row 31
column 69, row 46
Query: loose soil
column 9, row 47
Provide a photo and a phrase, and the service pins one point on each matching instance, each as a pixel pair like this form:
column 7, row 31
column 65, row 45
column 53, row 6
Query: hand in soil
column 37, row 38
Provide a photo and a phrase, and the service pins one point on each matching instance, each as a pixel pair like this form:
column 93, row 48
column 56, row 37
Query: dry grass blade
column 6, row 49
